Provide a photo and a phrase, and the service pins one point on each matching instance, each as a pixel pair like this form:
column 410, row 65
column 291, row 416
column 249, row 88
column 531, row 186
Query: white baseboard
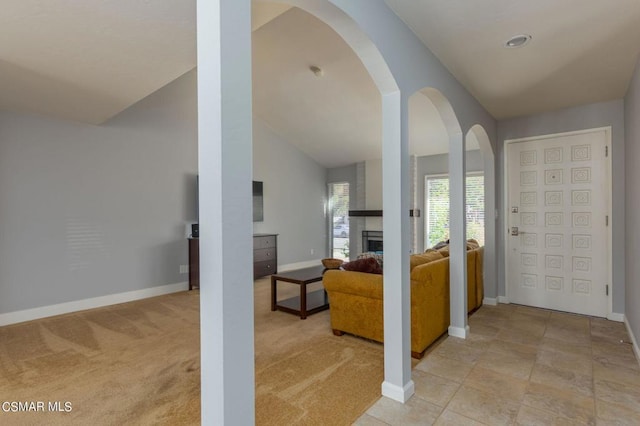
column 634, row 341
column 397, row 393
column 491, row 301
column 299, row 265
column 94, row 302
column 459, row 332
column 503, row 299
column 613, row 316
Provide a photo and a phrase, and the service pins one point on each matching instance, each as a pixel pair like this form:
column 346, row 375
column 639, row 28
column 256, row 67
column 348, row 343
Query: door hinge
column 606, row 151
column 606, row 220
column 607, row 289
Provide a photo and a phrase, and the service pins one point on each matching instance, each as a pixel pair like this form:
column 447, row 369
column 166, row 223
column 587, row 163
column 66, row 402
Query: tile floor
column 523, row 366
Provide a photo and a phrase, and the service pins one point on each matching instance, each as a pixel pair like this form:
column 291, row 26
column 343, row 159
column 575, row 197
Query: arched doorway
column 456, row 181
column 478, row 136
column 225, row 151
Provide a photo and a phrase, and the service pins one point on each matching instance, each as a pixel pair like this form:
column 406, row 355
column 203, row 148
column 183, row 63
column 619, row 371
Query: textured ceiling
column 335, row 118
column 89, row 60
column 582, row 51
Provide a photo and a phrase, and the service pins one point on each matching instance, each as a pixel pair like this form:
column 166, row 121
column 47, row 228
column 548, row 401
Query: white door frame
column 505, row 211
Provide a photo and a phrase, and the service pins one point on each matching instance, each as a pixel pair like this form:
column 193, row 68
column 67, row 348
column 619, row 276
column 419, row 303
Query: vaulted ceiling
column 90, row 60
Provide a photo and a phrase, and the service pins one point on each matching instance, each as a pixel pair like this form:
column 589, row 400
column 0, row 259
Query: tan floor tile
column 536, row 312
column 507, row 347
column 416, row 411
column 483, row 407
column 532, row 326
column 618, row 393
column 367, row 420
column 488, row 321
column 449, row 418
column 568, row 335
column 613, row 414
column 614, row 353
column 528, row 366
column 563, row 379
column 533, row 417
column 513, row 364
column 570, row 320
column 501, row 385
column 608, row 331
column 578, row 363
column 616, row 373
column 517, row 336
column 550, row 344
column 445, row 367
column 434, row 389
column 560, row 402
column 484, row 330
column 460, row 350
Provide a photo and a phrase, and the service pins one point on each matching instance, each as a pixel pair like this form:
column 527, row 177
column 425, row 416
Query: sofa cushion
column 419, row 259
column 367, row 264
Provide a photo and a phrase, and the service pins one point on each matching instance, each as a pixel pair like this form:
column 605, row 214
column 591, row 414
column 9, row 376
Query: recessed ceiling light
column 518, row 41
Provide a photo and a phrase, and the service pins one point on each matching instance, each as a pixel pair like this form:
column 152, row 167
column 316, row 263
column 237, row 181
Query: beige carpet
column 139, row 363
column 304, row 374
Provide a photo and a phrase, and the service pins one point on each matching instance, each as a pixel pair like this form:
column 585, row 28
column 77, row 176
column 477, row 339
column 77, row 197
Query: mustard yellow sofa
column 356, row 305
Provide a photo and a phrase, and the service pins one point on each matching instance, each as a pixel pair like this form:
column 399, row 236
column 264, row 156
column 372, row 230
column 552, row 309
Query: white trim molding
column 459, row 332
column 299, row 265
column 613, row 316
column 491, row 301
column 94, row 302
column 634, row 342
column 397, row 393
column 503, row 299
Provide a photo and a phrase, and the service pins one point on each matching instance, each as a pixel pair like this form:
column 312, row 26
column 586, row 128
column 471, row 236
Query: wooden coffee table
column 305, row 304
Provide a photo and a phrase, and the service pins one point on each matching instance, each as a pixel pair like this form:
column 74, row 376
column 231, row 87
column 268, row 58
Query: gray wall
column 295, row 193
column 88, row 211
column 602, row 114
column 632, row 231
column 436, row 165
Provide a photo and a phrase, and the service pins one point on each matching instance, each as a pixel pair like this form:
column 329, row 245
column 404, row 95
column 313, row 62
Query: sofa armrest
column 351, row 282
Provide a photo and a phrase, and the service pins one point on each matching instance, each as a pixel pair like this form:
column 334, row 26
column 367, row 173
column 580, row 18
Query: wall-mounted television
column 258, row 202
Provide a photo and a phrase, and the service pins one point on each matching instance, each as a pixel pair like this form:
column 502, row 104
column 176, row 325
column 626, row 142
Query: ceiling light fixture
column 316, row 70
column 518, row 41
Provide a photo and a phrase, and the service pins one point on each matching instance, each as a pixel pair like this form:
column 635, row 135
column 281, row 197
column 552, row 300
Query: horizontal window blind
column 437, row 207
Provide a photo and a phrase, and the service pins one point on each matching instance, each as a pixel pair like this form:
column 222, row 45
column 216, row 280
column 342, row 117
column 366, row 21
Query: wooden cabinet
column 265, row 255
column 194, row 263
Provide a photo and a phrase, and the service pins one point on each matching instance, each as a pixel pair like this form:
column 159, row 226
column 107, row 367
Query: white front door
column 558, row 202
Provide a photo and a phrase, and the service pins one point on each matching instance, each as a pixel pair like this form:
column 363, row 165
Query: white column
column 489, row 266
column 397, row 383
column 457, row 235
column 225, row 170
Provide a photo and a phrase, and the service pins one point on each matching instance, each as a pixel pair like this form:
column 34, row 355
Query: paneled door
column 558, row 207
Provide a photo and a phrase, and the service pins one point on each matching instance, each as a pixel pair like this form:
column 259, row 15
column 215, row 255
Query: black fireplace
column 372, row 241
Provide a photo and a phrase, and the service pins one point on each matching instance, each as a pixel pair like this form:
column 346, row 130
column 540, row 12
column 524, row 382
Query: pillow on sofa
column 367, row 264
column 419, row 259
column 472, row 244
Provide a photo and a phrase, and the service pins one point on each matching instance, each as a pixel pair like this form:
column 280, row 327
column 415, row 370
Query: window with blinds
column 437, row 208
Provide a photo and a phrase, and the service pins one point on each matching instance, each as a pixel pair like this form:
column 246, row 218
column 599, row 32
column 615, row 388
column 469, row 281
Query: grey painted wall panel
column 295, row 193
column 88, row 211
column 632, row 231
column 590, row 116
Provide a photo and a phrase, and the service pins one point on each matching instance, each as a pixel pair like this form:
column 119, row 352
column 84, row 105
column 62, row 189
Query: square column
column 225, row 173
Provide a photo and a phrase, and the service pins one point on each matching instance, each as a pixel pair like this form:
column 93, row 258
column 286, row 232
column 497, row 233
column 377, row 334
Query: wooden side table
column 305, row 304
